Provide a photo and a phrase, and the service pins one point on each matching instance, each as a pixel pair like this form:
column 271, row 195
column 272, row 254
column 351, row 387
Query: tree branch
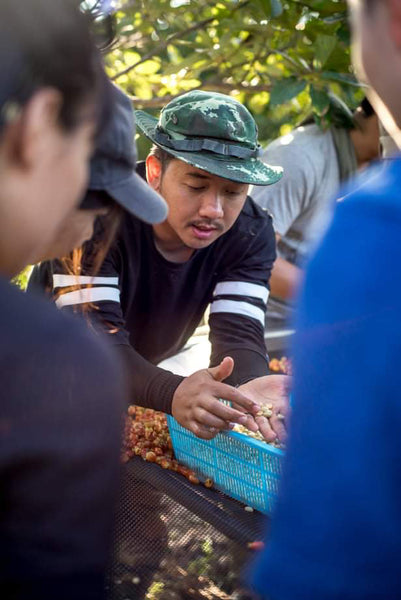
column 179, row 34
column 160, row 101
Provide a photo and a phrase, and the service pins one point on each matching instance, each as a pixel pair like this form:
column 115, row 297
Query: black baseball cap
column 112, row 167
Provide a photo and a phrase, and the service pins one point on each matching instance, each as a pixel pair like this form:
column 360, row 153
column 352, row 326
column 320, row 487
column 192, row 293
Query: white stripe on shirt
column 240, row 308
column 67, row 280
column 241, row 288
column 88, row 295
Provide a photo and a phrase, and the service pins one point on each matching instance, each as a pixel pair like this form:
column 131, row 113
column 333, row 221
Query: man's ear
column 153, row 172
column 31, row 136
column 394, row 8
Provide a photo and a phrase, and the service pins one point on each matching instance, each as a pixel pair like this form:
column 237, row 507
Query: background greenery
column 285, row 59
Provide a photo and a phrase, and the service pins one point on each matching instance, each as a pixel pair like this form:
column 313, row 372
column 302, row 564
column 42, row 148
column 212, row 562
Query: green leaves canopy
column 283, row 58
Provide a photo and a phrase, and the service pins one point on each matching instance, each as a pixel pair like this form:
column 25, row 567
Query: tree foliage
column 285, row 59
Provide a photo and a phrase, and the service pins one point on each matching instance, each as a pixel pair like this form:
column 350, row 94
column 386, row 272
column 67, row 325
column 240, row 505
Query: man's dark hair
column 164, row 157
column 47, row 44
column 103, row 25
column 367, row 108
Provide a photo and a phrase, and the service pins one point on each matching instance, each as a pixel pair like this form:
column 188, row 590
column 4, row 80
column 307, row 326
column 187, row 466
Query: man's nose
column 211, row 206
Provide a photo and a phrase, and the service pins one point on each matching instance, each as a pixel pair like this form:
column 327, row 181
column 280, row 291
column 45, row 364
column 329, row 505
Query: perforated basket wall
column 240, row 466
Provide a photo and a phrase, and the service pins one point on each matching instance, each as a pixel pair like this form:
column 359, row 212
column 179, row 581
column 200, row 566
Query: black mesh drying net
column 179, row 541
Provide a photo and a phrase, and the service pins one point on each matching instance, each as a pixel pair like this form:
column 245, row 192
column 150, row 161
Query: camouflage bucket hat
column 212, row 132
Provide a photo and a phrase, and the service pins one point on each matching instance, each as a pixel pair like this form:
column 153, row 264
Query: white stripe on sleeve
column 88, row 295
column 67, row 280
column 240, row 308
column 241, row 288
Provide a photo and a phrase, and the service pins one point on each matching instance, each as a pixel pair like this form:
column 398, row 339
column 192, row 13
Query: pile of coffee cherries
column 146, row 435
column 281, row 365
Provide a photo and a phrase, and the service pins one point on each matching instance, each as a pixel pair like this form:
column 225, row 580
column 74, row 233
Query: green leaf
column 342, row 78
column 344, row 34
column 272, row 8
column 341, row 115
column 286, row 90
column 324, row 45
column 237, row 46
column 149, row 67
column 320, row 100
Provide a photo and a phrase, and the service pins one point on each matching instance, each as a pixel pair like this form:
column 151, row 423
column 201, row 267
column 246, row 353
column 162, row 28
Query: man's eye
column 232, row 193
column 197, row 189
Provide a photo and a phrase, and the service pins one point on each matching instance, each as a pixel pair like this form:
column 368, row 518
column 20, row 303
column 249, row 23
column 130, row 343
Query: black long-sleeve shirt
column 151, row 306
column 60, row 431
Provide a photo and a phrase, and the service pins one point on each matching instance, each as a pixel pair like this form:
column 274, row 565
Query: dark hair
column 104, row 24
column 47, row 44
column 367, row 108
column 162, row 155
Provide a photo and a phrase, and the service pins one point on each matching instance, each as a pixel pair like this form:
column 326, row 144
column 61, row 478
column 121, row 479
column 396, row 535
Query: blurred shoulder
column 377, row 187
column 32, row 326
column 308, row 137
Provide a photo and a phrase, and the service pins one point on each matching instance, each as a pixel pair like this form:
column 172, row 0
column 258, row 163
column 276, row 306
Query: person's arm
column 238, row 307
column 285, row 277
column 194, row 400
column 237, row 317
column 62, row 403
column 336, row 531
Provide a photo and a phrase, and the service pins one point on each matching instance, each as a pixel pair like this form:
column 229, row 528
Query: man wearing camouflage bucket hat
column 212, row 132
column 215, row 247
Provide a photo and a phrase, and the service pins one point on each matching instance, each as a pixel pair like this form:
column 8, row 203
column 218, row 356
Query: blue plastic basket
column 240, row 466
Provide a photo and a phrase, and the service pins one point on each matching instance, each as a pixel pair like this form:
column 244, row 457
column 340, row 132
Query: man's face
column 365, row 36
column 201, row 206
column 376, row 53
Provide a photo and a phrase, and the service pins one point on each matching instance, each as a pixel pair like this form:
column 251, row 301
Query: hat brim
column 252, row 170
column 138, row 198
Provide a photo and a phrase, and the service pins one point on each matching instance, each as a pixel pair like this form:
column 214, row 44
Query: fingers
column 226, row 413
column 278, row 425
column 205, row 417
column 202, row 431
column 223, row 370
column 234, row 395
column 266, row 429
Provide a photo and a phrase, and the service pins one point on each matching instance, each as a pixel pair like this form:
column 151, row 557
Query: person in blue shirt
column 336, row 531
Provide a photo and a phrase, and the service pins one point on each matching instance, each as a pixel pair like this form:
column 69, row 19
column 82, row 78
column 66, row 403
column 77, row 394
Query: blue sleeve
column 336, row 532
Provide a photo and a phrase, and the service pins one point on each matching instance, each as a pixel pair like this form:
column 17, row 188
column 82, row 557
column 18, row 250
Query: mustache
column 204, row 223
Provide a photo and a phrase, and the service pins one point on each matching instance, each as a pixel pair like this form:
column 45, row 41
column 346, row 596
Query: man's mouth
column 203, row 231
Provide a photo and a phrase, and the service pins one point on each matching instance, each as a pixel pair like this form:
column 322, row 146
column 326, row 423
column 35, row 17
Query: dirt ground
column 179, row 557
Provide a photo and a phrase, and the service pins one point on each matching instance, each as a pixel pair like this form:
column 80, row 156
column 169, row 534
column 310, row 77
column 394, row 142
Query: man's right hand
column 196, row 402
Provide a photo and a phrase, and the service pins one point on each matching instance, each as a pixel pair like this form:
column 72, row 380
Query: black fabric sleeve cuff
column 149, row 386
column 248, row 365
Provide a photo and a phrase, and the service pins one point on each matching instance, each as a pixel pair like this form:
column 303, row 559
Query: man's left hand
column 274, row 390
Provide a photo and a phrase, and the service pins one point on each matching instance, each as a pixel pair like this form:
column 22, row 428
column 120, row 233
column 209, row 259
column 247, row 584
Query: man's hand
column 197, row 407
column 274, row 390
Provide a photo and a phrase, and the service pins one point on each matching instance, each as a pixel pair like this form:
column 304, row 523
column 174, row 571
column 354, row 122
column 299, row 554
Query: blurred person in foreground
column 316, row 163
column 113, row 188
column 61, row 391
column 216, row 246
column 336, row 532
